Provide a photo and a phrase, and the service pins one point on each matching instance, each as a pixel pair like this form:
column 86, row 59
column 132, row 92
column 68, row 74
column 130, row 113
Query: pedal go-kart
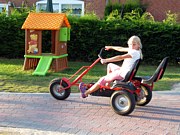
column 124, row 94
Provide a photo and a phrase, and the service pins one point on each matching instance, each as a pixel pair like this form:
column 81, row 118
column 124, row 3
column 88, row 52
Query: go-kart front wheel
column 55, row 87
column 123, row 102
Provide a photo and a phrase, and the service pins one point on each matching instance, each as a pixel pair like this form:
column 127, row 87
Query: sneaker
column 82, row 88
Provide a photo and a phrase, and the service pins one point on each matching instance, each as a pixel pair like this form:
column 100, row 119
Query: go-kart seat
column 158, row 73
column 130, row 75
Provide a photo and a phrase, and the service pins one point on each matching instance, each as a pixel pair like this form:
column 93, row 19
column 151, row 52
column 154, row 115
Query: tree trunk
column 49, row 7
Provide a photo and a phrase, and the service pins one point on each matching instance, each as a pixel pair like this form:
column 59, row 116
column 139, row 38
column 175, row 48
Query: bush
column 89, row 35
column 158, row 39
column 12, row 37
column 122, row 9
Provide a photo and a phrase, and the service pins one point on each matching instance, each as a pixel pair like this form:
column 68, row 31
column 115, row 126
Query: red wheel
column 146, row 96
column 55, row 86
column 123, row 102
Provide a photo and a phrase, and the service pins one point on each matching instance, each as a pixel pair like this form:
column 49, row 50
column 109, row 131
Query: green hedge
column 158, row 39
column 11, row 36
column 89, row 35
column 124, row 8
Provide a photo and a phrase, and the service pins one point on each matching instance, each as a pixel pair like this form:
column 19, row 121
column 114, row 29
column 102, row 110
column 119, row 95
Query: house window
column 55, row 7
column 3, row 8
column 42, row 7
column 73, row 7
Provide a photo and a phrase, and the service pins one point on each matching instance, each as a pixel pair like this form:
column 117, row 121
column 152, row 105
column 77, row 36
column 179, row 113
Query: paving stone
column 41, row 114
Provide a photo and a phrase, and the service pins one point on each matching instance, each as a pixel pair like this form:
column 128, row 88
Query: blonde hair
column 137, row 40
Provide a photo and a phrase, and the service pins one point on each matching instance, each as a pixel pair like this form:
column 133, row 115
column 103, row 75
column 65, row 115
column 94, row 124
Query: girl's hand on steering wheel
column 103, row 61
column 107, row 48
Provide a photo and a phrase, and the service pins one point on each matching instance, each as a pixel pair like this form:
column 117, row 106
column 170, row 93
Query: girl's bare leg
column 112, row 67
column 94, row 88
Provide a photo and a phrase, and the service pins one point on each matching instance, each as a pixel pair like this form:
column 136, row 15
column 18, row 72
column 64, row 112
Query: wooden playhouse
column 59, row 27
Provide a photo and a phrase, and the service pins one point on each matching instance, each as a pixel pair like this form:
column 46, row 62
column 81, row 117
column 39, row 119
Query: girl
column 114, row 71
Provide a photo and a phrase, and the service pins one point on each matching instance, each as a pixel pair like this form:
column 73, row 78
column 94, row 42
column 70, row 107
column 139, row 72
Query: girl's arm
column 116, row 58
column 117, row 48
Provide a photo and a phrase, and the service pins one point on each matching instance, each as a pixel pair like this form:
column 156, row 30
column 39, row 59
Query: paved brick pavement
column 41, row 114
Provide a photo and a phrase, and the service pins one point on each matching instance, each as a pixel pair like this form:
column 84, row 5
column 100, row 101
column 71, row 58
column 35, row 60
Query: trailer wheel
column 54, row 87
column 122, row 102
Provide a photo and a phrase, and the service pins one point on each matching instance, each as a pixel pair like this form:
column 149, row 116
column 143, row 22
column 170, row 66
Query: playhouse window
column 46, row 41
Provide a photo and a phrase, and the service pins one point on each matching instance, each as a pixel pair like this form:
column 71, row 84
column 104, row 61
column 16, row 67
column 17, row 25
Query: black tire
column 54, row 87
column 122, row 102
column 147, row 96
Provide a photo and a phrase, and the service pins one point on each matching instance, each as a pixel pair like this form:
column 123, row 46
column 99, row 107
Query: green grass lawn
column 14, row 79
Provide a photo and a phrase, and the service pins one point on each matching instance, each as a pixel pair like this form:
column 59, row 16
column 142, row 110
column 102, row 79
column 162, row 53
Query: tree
column 49, row 7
